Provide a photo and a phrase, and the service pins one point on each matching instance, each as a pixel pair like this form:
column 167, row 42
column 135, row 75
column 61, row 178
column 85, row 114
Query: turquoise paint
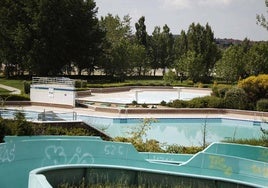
column 227, row 162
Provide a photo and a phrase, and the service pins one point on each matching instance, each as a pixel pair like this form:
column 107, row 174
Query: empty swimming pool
column 149, row 96
column 181, row 131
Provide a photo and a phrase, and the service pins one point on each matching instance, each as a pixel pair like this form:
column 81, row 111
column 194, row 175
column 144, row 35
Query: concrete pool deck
column 152, row 113
column 148, row 95
column 118, row 110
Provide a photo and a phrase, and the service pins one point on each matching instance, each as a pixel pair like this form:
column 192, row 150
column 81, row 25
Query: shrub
column 177, row 104
column 236, row 98
column 181, row 149
column 189, row 82
column 25, row 128
column 80, row 84
column 4, row 129
column 220, row 90
column 134, row 102
column 256, row 87
column 262, row 105
column 26, row 87
column 15, row 97
column 170, row 77
column 144, row 105
column 206, row 102
column 163, row 103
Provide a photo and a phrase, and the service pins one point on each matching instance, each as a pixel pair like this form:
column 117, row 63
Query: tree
column 116, row 58
column 155, row 49
column 141, row 33
column 201, row 41
column 257, row 59
column 261, row 19
column 139, row 59
column 142, row 40
column 231, row 67
column 16, row 32
column 44, row 36
column 86, row 36
column 161, row 49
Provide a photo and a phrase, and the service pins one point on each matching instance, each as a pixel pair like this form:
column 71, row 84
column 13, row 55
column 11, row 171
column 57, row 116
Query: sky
column 228, row 18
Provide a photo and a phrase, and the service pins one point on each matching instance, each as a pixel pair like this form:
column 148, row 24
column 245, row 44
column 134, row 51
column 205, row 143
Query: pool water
column 180, row 131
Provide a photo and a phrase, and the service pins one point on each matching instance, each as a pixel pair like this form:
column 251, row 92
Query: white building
column 53, row 90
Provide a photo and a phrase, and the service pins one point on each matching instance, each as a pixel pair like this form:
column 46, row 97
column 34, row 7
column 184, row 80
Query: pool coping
column 100, row 111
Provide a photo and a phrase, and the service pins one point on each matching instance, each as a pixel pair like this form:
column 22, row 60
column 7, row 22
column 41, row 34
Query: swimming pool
column 181, row 131
column 149, row 96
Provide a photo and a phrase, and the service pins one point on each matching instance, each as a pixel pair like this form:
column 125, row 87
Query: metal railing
column 53, row 80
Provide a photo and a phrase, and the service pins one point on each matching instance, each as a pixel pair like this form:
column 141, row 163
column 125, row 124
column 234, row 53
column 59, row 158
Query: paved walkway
column 12, row 89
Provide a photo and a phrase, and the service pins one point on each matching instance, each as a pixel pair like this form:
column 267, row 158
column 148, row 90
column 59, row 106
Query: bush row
column 20, row 127
column 7, row 97
column 234, row 99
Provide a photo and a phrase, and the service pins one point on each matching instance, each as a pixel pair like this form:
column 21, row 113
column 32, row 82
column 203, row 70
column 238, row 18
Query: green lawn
column 4, row 92
column 12, row 83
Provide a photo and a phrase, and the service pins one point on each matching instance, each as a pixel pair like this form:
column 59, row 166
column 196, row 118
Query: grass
column 153, row 82
column 4, row 92
column 12, row 83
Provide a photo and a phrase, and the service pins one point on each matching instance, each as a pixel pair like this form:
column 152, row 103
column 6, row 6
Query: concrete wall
column 52, row 94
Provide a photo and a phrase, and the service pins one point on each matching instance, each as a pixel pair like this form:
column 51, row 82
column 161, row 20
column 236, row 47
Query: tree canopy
column 45, row 36
column 52, row 37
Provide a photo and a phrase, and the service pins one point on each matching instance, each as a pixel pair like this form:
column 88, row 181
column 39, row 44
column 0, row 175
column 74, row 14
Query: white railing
column 53, row 80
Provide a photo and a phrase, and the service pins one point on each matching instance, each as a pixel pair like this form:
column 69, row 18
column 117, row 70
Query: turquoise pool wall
column 20, row 155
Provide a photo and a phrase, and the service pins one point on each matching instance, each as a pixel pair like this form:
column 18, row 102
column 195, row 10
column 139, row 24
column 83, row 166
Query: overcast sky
column 228, row 18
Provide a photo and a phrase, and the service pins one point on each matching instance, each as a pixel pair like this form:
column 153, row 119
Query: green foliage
column 137, row 135
column 219, row 90
column 43, row 37
column 178, row 104
column 262, row 105
column 80, row 84
column 174, row 148
column 206, row 102
column 256, row 87
column 160, row 49
column 15, row 97
column 163, row 103
column 257, row 61
column 4, row 129
column 26, row 87
column 24, row 128
column 170, row 77
column 201, row 43
column 231, row 66
column 236, row 98
column 199, row 102
column 13, row 83
column 134, row 102
column 144, row 105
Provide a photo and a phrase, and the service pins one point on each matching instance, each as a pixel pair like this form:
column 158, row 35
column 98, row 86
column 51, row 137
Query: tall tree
column 16, row 26
column 231, row 67
column 180, row 50
column 116, row 59
column 257, row 59
column 141, row 33
column 201, row 41
column 161, row 49
column 86, row 35
column 46, row 35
